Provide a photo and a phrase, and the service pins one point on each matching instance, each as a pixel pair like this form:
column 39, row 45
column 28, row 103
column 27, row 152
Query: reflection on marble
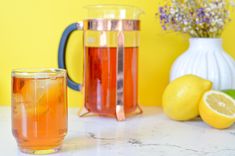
column 149, row 134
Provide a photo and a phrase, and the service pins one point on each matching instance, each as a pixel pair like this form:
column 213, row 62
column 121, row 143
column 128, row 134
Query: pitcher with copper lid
column 111, row 47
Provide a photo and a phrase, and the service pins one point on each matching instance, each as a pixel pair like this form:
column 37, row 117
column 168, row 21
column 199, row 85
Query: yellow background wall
column 30, row 31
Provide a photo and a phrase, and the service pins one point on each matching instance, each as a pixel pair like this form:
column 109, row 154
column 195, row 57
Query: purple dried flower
column 200, row 12
column 163, row 27
column 161, row 10
column 163, row 16
column 206, row 20
column 198, row 22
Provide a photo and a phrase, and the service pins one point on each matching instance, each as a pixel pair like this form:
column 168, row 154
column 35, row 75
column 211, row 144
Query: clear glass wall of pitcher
column 111, row 47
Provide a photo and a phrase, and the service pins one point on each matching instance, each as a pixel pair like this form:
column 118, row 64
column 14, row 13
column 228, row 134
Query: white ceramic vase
column 207, row 59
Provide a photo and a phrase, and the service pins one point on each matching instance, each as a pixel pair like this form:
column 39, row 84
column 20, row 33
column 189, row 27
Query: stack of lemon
column 189, row 96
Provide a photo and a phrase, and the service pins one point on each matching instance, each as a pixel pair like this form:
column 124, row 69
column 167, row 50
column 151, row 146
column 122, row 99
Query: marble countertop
column 151, row 133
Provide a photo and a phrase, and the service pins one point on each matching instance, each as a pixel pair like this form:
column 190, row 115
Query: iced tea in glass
column 39, row 109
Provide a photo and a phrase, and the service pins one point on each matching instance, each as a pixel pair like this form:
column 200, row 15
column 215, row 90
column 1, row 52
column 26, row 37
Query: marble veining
column 151, row 133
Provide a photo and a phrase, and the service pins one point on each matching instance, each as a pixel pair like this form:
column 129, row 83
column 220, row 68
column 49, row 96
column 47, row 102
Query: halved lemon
column 217, row 109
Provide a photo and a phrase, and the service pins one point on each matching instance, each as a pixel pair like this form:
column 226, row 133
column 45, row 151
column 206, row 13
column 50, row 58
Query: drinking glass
column 39, row 109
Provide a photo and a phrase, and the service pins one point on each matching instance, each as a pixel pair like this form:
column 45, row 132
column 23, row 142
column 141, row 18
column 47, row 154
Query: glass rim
column 38, row 72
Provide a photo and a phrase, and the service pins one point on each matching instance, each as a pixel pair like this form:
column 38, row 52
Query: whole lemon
column 182, row 96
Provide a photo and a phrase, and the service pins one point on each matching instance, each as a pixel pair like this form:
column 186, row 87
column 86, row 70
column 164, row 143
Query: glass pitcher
column 111, row 46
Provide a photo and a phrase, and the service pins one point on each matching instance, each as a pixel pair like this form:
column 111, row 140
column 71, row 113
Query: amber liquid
column 100, row 79
column 39, row 112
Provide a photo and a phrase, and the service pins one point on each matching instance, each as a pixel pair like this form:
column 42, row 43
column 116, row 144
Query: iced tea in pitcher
column 39, row 109
column 101, row 77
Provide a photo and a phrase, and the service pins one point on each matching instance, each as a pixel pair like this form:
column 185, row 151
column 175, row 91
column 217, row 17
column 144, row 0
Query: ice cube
column 37, row 95
column 51, row 96
column 34, row 89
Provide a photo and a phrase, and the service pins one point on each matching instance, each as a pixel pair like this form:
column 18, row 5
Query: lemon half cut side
column 217, row 109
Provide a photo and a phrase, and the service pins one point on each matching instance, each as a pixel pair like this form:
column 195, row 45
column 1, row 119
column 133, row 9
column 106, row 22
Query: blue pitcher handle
column 62, row 50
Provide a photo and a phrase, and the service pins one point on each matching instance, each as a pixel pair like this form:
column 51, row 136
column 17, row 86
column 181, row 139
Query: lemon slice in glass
column 217, row 109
